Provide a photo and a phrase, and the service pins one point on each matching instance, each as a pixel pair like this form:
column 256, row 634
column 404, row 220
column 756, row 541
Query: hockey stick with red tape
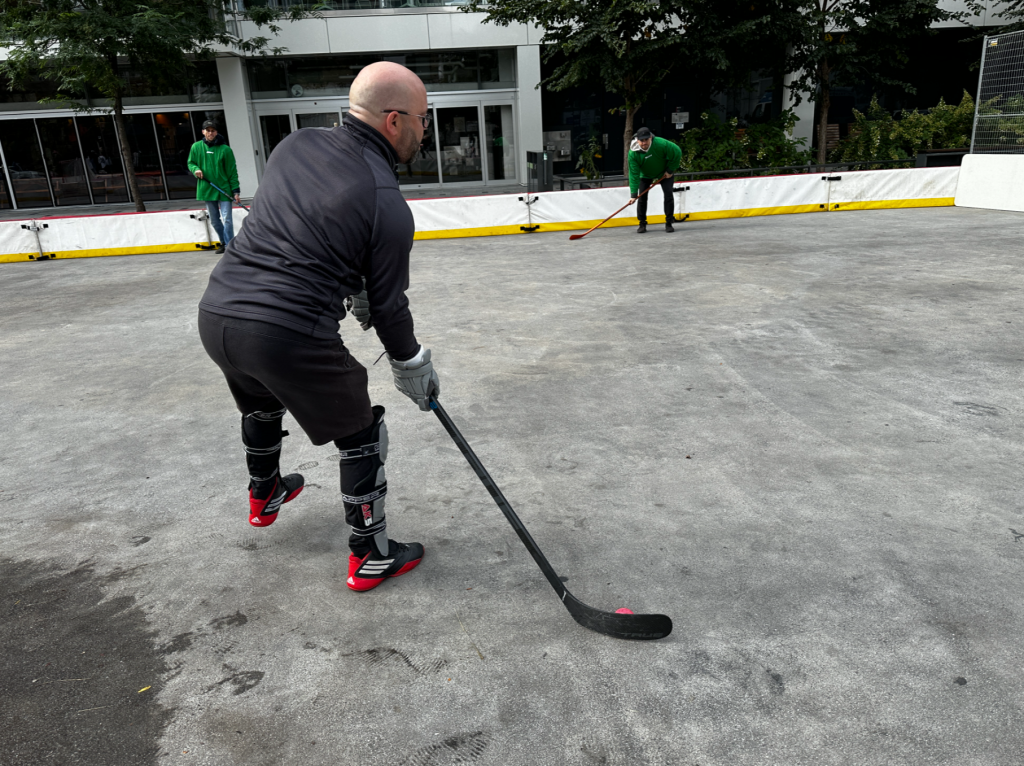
column 641, row 627
column 606, row 220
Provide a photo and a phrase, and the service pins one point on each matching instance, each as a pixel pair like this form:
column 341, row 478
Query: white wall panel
column 352, row 34
column 299, row 37
column 467, row 30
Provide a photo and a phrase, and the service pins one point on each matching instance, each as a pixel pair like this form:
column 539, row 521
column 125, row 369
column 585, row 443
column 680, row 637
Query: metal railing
column 581, row 182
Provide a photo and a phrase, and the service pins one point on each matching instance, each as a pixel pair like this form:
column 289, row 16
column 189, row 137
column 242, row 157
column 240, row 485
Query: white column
column 531, row 130
column 805, row 111
column 234, row 89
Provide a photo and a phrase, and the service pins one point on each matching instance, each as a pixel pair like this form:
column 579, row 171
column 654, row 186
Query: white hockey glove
column 358, row 306
column 416, row 378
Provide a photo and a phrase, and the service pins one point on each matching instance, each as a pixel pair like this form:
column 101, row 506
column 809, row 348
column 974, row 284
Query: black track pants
column 641, row 204
column 269, row 368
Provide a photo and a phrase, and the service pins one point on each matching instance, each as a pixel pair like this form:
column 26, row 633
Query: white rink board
column 992, row 181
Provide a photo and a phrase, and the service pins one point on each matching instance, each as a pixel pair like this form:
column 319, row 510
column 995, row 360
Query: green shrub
column 877, row 135
column 718, row 145
column 587, row 162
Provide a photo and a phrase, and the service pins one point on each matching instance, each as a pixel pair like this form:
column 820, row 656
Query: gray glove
column 358, row 305
column 416, row 378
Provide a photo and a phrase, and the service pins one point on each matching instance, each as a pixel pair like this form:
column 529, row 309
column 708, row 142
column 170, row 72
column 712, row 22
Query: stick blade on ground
column 636, row 627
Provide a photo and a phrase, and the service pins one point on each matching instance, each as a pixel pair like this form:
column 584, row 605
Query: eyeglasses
column 424, row 118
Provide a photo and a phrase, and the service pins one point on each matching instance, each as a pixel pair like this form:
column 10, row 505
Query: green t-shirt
column 218, row 165
column 664, row 156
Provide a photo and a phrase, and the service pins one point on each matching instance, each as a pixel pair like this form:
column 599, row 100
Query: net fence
column 999, row 112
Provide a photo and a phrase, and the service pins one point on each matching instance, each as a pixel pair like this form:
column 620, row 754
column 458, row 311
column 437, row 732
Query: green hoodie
column 664, row 156
column 217, row 162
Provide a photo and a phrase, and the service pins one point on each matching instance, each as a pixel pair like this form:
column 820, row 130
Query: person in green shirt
column 213, row 163
column 655, row 160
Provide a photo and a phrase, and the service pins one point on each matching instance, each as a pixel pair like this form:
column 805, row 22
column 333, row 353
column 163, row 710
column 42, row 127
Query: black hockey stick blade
column 638, row 627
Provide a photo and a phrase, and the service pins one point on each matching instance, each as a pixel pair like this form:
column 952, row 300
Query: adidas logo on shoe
column 366, row 572
column 263, row 511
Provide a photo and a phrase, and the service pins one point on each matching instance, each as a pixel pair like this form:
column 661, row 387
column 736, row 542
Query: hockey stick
column 229, row 196
column 642, row 627
column 606, row 220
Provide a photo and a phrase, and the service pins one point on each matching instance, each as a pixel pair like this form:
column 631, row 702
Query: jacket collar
column 372, row 136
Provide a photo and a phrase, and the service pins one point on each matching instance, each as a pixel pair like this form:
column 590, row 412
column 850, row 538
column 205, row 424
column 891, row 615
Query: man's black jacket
column 327, row 213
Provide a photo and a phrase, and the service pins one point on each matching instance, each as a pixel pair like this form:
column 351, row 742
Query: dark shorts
column 269, row 367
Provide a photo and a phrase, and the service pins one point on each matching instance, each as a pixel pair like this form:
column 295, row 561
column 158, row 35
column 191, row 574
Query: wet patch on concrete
column 74, row 666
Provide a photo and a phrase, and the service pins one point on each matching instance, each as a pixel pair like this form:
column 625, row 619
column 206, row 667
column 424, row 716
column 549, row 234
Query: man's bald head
column 386, row 85
column 388, row 97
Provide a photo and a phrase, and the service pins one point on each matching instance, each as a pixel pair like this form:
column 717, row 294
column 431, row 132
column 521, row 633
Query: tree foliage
column 851, row 42
column 718, row 145
column 629, row 46
column 83, row 43
column 633, row 47
column 878, row 135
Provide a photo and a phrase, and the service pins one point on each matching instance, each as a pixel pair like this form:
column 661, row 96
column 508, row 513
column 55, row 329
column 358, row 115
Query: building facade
column 481, row 81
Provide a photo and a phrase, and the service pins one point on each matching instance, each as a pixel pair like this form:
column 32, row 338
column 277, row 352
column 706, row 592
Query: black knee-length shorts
column 268, row 367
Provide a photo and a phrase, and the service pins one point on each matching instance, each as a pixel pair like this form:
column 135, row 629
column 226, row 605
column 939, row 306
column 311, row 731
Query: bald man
column 329, row 230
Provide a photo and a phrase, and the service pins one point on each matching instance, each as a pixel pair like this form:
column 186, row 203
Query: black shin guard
column 261, row 436
column 363, row 485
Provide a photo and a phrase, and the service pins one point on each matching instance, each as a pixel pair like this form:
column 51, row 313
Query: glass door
column 458, row 132
column 499, row 143
column 273, row 129
column 423, row 167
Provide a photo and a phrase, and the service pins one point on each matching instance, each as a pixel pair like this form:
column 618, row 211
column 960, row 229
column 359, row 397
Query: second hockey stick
column 606, row 220
column 229, row 196
column 641, row 627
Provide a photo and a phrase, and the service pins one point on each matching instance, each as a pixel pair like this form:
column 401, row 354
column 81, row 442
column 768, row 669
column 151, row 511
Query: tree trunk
column 627, row 137
column 126, row 154
column 824, row 101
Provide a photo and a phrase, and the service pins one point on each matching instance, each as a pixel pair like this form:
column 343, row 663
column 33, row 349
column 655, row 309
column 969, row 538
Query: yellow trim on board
column 889, row 204
column 180, row 247
column 711, row 215
column 493, row 231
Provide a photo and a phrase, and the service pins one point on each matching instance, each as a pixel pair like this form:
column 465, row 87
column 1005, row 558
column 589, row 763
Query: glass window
column 103, row 159
column 175, row 136
column 273, row 128
column 145, row 155
column 423, row 168
column 64, row 161
column 458, row 128
column 317, row 120
column 25, row 163
column 322, row 76
column 497, row 139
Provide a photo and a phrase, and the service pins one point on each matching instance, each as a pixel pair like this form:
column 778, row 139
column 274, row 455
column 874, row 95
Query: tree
column 80, row 44
column 629, row 46
column 1013, row 12
column 850, row 42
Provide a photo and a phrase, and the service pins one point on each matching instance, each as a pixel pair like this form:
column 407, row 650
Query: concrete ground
column 798, row 436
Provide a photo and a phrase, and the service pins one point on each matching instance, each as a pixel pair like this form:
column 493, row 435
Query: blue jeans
column 218, row 210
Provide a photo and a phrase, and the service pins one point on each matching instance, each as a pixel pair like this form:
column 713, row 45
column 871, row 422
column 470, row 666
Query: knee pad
column 261, row 437
column 364, row 484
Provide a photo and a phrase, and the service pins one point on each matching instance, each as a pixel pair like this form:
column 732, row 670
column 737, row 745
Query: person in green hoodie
column 654, row 160
column 213, row 163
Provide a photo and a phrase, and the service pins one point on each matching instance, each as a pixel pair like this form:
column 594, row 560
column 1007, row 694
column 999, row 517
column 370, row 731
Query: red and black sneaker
column 264, row 503
column 369, row 570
